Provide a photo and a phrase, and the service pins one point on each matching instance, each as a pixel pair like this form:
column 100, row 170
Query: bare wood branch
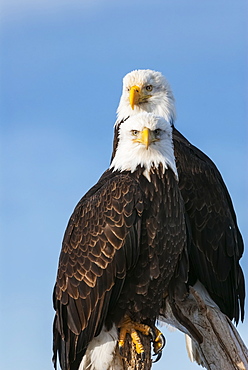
column 222, row 346
column 132, row 360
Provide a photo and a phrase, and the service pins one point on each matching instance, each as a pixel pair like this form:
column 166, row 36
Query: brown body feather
column 216, row 243
column 123, row 244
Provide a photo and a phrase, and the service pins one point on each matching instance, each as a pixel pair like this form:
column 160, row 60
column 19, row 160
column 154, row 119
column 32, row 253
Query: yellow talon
column 136, row 340
column 158, row 340
column 158, row 344
column 130, row 327
column 121, row 343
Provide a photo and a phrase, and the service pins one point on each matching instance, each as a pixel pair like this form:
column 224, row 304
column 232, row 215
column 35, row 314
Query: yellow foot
column 131, row 327
column 158, row 343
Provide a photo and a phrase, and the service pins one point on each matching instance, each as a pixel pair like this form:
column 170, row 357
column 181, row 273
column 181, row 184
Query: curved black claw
column 159, row 355
column 152, row 333
column 143, row 356
column 121, row 351
column 158, row 345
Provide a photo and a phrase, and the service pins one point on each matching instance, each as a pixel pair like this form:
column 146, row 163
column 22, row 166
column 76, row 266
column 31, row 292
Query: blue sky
column 62, row 64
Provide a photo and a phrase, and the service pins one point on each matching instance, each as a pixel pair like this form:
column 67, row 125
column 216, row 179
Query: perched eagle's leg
column 130, row 327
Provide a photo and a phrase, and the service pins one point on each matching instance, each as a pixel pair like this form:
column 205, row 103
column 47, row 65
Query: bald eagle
column 216, row 243
column 124, row 247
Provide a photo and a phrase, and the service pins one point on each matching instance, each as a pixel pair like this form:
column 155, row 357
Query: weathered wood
column 222, row 346
column 132, row 361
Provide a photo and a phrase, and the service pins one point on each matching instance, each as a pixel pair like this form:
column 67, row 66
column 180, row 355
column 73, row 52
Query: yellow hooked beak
column 134, row 96
column 145, row 137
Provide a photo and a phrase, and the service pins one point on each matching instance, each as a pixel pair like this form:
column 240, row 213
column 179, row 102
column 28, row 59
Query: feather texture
column 120, row 251
column 216, row 242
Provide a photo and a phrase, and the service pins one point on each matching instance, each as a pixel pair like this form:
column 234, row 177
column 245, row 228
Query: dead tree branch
column 222, row 346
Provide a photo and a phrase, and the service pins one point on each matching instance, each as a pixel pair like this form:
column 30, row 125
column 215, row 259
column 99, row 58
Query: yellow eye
column 134, row 132
column 149, row 88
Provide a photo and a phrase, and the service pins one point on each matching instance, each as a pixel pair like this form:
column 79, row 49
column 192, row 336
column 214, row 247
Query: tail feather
column 100, row 354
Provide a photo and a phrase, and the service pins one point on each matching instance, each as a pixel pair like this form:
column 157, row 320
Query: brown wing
column 217, row 242
column 93, row 262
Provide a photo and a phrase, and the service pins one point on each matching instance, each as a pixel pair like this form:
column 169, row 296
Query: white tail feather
column 100, row 352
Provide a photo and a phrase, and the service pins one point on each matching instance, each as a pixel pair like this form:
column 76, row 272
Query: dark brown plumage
column 216, row 243
column 124, row 242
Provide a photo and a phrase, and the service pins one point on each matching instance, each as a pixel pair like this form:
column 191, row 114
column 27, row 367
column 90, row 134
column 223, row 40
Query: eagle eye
column 134, row 132
column 149, row 88
column 157, row 131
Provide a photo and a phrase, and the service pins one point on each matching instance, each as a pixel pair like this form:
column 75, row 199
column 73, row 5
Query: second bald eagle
column 217, row 244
